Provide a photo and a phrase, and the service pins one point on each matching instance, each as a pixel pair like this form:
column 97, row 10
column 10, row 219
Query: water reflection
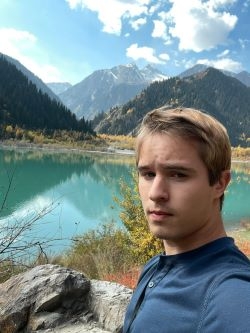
column 84, row 178
column 82, row 187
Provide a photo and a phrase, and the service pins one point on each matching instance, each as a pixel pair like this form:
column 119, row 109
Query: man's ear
column 222, row 183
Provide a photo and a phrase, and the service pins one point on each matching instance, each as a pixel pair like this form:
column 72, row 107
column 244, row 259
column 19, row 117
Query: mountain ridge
column 243, row 76
column 32, row 77
column 222, row 96
column 23, row 104
column 106, row 88
column 58, row 87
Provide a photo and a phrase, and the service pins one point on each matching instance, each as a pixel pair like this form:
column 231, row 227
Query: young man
column 201, row 284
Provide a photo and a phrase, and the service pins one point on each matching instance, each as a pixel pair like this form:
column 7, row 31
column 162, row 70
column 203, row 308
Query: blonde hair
column 211, row 135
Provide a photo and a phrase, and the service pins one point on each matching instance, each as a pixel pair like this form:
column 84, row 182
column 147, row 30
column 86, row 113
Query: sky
column 67, row 40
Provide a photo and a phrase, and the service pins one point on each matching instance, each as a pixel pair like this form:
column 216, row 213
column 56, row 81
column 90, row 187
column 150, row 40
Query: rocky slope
column 107, row 88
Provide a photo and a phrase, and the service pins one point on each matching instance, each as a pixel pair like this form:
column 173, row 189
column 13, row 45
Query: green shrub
column 99, row 252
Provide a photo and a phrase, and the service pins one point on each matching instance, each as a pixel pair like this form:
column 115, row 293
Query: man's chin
column 159, row 234
column 164, row 235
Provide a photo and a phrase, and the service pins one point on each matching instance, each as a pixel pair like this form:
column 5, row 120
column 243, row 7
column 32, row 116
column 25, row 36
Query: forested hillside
column 211, row 91
column 21, row 104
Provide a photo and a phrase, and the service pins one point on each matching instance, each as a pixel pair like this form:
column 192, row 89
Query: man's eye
column 148, row 175
column 178, row 175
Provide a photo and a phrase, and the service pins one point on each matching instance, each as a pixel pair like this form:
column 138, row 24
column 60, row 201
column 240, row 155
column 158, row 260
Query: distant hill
column 192, row 71
column 22, row 104
column 243, row 77
column 212, row 91
column 106, row 88
column 59, row 87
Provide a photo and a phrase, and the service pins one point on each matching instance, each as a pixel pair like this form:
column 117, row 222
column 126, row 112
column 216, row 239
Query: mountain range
column 218, row 94
column 125, row 93
column 106, row 88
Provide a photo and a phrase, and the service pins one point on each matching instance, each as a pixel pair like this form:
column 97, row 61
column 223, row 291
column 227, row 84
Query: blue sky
column 66, row 40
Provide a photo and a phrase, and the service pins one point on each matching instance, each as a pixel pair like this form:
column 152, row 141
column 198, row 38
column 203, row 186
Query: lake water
column 81, row 187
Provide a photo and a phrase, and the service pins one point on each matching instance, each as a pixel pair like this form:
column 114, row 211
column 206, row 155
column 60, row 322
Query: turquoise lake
column 80, row 187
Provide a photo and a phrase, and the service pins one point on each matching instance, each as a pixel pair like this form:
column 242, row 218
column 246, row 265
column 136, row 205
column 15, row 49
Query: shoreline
column 62, row 148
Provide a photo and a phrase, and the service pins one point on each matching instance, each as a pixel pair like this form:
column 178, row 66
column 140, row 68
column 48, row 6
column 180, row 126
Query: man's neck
column 195, row 240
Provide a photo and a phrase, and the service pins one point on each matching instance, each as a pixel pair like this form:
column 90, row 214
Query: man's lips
column 159, row 214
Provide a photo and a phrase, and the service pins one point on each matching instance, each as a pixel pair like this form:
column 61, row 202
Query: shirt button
column 151, row 284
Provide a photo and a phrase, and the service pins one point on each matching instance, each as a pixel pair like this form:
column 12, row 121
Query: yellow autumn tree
column 144, row 244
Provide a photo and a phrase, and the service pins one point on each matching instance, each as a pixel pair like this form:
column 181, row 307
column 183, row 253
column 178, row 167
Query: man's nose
column 159, row 189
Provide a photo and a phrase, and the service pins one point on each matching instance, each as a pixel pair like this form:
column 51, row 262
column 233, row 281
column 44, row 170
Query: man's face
column 180, row 205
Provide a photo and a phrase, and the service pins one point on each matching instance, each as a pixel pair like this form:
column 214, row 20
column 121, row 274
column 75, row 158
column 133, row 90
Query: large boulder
column 51, row 298
column 108, row 304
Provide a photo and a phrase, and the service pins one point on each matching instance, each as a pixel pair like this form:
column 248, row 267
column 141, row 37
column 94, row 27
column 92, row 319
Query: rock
column 51, row 298
column 108, row 303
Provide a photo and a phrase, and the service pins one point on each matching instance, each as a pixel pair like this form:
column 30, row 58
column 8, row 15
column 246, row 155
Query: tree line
column 23, row 105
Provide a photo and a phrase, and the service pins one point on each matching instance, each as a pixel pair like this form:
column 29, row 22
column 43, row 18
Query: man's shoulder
column 235, row 281
column 225, row 259
column 226, row 305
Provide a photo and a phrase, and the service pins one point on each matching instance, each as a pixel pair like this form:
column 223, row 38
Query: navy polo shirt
column 206, row 290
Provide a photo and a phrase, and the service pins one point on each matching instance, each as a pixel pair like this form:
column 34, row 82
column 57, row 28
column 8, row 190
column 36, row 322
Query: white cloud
column 224, row 63
column 12, row 41
column 111, row 12
column 154, row 8
column 200, row 25
column 73, row 3
column 164, row 56
column 22, row 46
column 223, row 54
column 146, row 53
column 138, row 23
column 160, row 29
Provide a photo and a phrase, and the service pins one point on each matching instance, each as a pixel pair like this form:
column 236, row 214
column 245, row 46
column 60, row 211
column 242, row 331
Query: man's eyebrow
column 169, row 167
column 178, row 167
column 142, row 167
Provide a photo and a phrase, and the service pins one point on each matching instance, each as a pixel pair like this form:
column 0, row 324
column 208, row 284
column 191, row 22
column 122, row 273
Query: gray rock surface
column 50, row 298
